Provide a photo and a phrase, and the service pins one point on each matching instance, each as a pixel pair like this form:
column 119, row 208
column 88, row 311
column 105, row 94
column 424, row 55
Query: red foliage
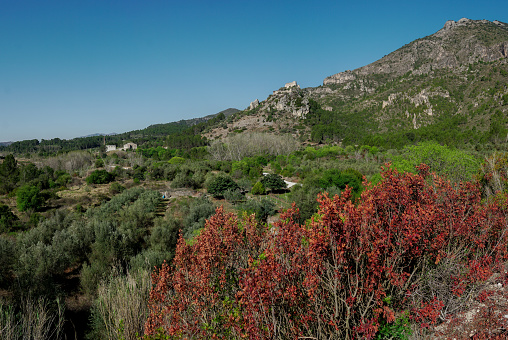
column 412, row 242
column 196, row 297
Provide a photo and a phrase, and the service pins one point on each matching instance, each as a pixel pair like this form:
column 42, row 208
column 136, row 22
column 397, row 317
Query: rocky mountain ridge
column 456, row 76
column 446, row 48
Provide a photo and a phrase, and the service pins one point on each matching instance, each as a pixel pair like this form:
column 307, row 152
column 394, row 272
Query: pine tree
column 9, row 174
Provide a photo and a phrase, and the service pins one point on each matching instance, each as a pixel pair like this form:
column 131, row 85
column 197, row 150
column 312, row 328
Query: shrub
column 63, row 179
column 198, row 212
column 29, row 197
column 494, row 175
column 6, row 260
column 346, row 274
column 182, row 180
column 245, row 184
column 116, row 188
column 8, row 220
column 100, row 177
column 176, row 160
column 234, row 195
column 164, row 234
column 9, row 174
column 207, row 267
column 262, row 208
column 220, row 184
column 258, row 189
column 341, row 179
column 454, row 164
column 120, row 310
column 304, row 198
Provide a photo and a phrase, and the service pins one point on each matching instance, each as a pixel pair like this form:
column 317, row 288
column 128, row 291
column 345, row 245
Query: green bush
column 8, row 220
column 7, row 252
column 341, row 179
column 164, row 234
column 273, row 182
column 116, row 188
column 248, row 166
column 199, row 211
column 245, row 184
column 176, row 160
column 220, row 184
column 456, row 165
column 399, row 329
column 63, row 179
column 262, row 208
column 100, row 177
column 258, row 189
column 29, row 197
column 305, row 199
column 234, row 195
column 183, row 180
column 9, row 174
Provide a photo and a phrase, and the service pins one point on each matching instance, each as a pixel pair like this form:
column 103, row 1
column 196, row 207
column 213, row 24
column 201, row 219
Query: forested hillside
column 185, row 133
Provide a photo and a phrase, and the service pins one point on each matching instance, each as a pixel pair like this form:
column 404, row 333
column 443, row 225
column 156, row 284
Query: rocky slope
column 280, row 112
column 455, row 46
column 461, row 71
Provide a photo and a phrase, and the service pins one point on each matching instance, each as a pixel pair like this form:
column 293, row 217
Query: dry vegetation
column 237, row 147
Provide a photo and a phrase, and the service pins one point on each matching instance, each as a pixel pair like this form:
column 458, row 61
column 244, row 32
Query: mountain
column 99, row 134
column 456, row 75
column 194, row 121
column 449, row 86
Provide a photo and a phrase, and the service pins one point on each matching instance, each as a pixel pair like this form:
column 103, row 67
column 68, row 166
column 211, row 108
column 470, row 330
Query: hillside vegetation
column 373, row 207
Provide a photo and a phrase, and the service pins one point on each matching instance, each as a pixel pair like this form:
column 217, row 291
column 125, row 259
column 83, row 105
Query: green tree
column 7, row 219
column 29, row 198
column 9, row 174
column 100, row 177
column 28, row 173
column 258, row 189
column 273, row 182
column 456, row 165
column 340, row 179
column 220, row 185
column 176, row 160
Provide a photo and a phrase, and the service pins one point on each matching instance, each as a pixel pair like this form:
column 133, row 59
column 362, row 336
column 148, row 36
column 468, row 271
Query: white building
column 110, row 148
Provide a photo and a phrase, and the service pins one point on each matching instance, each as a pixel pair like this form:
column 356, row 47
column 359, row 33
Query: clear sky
column 71, row 68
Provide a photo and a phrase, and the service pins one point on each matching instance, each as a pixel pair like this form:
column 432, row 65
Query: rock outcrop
column 254, row 104
column 291, row 84
column 289, row 100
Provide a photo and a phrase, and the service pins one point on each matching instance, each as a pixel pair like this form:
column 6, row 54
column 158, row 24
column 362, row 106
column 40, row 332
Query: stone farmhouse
column 128, row 146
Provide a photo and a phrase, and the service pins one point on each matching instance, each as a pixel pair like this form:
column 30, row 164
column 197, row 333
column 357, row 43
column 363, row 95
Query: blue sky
column 73, row 68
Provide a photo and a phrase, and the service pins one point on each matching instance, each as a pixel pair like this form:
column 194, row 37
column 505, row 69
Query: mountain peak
column 457, row 44
column 450, row 24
